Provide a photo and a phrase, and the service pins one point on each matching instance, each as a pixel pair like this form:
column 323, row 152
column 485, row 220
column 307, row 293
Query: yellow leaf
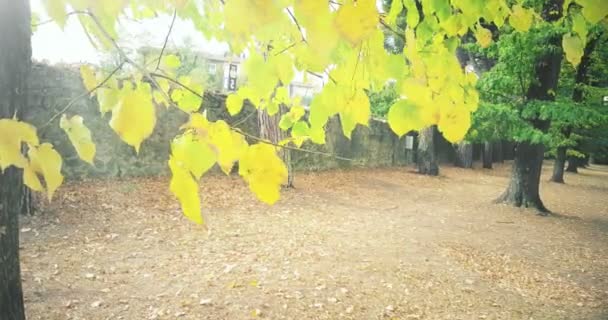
column 484, row 36
column 393, row 13
column 579, row 25
column 185, row 188
column 594, row 10
column 108, row 99
column 80, row 136
column 356, row 110
column 56, row 10
column 264, row 171
column 454, row 123
column 88, row 77
column 229, row 144
column 30, row 179
column 521, row 18
column 234, row 104
column 45, row 161
column 135, row 117
column 574, row 49
column 405, row 116
column 171, row 61
column 357, row 20
column 193, row 154
column 13, row 134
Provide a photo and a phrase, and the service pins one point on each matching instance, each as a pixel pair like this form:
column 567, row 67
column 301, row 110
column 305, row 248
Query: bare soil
column 357, row 244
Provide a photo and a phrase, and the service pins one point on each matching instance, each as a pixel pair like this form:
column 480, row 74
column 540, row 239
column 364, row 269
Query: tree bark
column 497, row 153
column 486, row 155
column 572, row 164
column 558, row 165
column 15, row 63
column 464, row 155
column 270, row 130
column 427, row 153
column 523, row 189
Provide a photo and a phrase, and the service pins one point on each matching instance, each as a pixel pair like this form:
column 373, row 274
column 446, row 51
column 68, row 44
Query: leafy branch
column 82, row 95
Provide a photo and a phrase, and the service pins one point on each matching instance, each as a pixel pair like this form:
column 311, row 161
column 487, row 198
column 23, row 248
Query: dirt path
column 363, row 244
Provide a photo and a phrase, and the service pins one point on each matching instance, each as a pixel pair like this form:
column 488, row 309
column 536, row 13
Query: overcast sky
column 71, row 45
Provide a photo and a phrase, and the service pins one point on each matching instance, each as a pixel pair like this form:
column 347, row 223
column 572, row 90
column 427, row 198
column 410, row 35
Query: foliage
column 344, row 41
column 382, row 100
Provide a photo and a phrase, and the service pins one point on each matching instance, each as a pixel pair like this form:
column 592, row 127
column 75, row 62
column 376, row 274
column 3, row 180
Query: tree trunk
column 270, row 130
column 523, row 189
column 572, row 164
column 558, row 166
column 580, row 78
column 15, row 63
column 427, row 153
column 486, row 155
column 464, row 155
column 497, row 153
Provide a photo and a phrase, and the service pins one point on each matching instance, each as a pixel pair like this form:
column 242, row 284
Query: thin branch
column 247, row 135
column 293, row 17
column 162, row 51
column 400, row 35
column 35, row 25
column 126, row 58
column 286, row 49
column 82, row 95
column 159, row 75
column 247, row 117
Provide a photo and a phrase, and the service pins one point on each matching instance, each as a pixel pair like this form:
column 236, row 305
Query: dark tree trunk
column 464, row 155
column 572, row 164
column 523, row 189
column 427, row 153
column 497, row 153
column 270, row 130
column 558, row 166
column 486, row 155
column 15, row 60
column 577, row 96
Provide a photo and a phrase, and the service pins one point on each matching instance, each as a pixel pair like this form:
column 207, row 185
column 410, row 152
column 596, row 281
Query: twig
column 392, row 30
column 35, row 25
column 286, row 49
column 82, row 95
column 162, row 51
column 297, row 24
column 127, row 59
column 247, row 135
column 159, row 75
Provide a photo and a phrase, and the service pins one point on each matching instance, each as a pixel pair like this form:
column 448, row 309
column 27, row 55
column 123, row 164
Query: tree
column 15, row 55
column 426, row 154
column 343, row 42
column 581, row 79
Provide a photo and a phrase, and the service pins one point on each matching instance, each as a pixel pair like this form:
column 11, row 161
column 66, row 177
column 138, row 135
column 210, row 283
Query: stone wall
column 52, row 88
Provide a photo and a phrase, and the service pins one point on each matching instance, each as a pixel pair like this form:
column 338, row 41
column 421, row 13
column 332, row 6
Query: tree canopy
column 342, row 42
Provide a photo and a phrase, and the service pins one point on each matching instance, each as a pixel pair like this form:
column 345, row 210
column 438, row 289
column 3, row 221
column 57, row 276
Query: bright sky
column 71, row 45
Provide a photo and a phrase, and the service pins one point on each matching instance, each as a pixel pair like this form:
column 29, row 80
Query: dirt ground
column 360, row 244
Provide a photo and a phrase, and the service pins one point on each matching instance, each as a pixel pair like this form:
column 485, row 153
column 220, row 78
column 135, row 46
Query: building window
column 212, row 68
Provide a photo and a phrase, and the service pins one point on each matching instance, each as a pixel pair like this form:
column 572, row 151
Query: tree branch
column 82, row 95
column 400, row 35
column 247, row 135
column 162, row 51
column 293, row 17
